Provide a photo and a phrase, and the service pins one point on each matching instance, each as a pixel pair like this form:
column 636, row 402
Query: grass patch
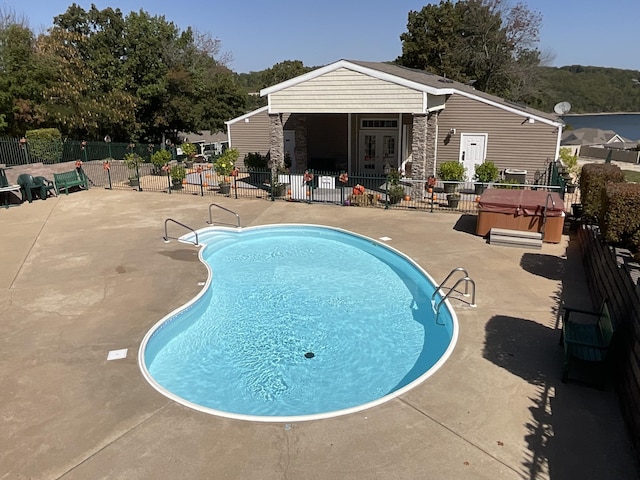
column 631, row 176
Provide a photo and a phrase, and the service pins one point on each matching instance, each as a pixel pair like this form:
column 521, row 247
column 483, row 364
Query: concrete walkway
column 88, row 273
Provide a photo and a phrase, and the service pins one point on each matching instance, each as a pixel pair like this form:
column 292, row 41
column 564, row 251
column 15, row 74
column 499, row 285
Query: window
column 379, row 123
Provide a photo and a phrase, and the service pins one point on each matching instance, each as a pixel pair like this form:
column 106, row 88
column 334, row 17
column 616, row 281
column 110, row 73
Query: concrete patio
column 88, row 273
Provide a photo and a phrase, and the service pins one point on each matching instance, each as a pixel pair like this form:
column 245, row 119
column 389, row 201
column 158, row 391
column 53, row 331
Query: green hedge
column 45, row 145
column 593, row 180
column 620, row 223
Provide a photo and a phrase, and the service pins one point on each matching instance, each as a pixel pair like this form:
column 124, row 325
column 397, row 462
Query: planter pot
column 279, row 190
column 453, row 201
column 134, row 182
column 225, row 188
column 571, row 187
column 176, row 185
column 479, row 188
column 450, row 187
column 576, row 209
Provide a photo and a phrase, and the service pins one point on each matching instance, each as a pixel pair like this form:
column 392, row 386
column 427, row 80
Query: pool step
column 515, row 238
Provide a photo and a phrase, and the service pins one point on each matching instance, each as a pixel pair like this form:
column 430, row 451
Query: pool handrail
column 166, row 233
column 458, row 269
column 467, row 280
column 210, row 221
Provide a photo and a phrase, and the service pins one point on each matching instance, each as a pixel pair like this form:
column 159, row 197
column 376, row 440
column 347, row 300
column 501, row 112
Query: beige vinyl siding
column 252, row 135
column 512, row 142
column 346, row 91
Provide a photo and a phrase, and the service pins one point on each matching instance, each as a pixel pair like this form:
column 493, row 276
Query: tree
column 22, row 74
column 283, row 71
column 475, row 40
column 160, row 79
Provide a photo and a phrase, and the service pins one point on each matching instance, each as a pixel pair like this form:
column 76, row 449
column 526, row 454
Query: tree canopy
column 99, row 72
column 480, row 41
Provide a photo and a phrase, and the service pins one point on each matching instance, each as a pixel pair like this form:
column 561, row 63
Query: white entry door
column 377, row 149
column 473, row 151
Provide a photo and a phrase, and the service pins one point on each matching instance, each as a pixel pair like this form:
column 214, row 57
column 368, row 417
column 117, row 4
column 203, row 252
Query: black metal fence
column 20, row 151
column 104, row 167
column 363, row 190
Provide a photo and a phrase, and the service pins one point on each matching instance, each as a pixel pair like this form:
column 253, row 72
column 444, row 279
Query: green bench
column 587, row 341
column 65, row 180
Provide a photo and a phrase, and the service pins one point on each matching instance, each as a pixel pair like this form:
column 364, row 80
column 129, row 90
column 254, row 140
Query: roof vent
column 445, row 80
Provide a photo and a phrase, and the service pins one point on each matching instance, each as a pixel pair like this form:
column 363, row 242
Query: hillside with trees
column 138, row 77
column 588, row 89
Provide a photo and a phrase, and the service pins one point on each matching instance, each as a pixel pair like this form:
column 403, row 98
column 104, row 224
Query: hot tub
column 521, row 210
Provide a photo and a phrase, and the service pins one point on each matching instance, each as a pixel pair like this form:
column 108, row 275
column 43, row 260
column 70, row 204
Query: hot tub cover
column 520, row 202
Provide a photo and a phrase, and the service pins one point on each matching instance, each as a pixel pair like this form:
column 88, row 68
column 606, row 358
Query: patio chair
column 31, row 187
column 587, row 341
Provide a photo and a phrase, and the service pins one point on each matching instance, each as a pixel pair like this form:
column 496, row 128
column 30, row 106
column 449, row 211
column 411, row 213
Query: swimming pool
column 298, row 322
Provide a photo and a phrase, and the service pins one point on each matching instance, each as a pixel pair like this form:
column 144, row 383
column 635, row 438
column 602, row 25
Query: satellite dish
column 562, row 108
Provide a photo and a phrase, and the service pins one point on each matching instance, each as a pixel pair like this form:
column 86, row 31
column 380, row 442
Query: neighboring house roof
column 590, row 136
column 422, row 81
column 204, row 136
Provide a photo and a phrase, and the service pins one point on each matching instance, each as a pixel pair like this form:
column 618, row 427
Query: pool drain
column 309, row 355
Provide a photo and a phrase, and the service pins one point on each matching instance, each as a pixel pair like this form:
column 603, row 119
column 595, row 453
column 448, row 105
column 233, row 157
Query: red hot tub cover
column 520, row 202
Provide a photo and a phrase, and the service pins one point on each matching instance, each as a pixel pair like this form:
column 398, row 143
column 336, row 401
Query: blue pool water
column 298, row 322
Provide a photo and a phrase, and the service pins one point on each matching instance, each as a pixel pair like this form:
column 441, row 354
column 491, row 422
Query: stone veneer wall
column 276, row 141
column 613, row 274
column 423, row 150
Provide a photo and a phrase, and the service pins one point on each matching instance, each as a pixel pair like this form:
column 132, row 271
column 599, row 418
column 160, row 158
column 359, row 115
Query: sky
column 258, row 34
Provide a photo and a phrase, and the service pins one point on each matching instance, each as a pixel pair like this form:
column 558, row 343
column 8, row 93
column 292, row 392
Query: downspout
column 349, row 142
column 400, row 150
column 558, row 142
column 435, row 148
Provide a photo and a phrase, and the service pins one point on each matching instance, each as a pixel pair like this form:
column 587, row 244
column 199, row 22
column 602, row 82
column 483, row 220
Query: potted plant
column 159, row 159
column 132, row 162
column 571, row 174
column 190, row 150
column 453, row 199
column 177, row 173
column 485, row 173
column 451, row 171
column 395, row 191
column 224, row 166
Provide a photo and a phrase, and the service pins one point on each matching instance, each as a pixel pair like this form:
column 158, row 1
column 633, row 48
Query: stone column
column 301, row 143
column 276, row 136
column 423, row 150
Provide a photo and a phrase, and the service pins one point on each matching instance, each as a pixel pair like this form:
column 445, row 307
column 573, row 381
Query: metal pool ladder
column 166, row 234
column 210, row 221
column 466, row 279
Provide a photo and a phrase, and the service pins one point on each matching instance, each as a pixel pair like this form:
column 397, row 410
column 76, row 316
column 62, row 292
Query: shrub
column 132, row 160
column 486, row 172
column 593, row 179
column 45, row 144
column 178, row 173
column 570, row 162
column 188, row 149
column 226, row 162
column 255, row 161
column 160, row 158
column 620, row 221
column 452, row 171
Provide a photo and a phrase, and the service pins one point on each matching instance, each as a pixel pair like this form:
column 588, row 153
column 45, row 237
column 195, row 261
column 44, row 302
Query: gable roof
column 420, row 80
column 590, row 136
